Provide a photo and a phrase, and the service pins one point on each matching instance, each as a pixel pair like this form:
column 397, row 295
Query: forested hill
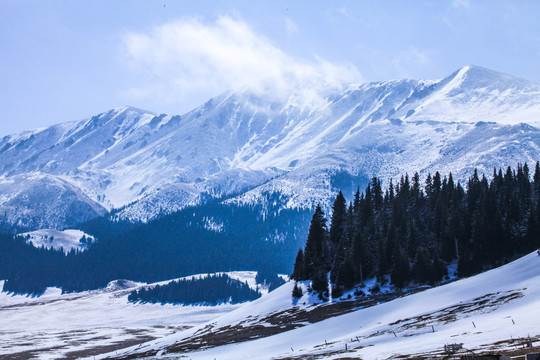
column 412, row 229
column 210, row 238
column 209, row 290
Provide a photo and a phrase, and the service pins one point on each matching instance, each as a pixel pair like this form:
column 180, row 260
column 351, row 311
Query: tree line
column 209, row 290
column 412, row 230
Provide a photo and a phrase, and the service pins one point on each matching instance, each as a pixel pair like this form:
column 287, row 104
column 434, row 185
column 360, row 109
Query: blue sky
column 67, row 60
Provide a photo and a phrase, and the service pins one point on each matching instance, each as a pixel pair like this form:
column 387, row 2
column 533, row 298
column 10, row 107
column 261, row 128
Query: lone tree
column 297, row 291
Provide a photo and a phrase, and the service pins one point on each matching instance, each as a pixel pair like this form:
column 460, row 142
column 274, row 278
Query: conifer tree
column 358, row 257
column 315, row 253
column 376, row 193
column 438, row 270
column 356, row 202
column 436, row 186
column 337, row 223
column 319, row 281
column 421, row 270
column 400, row 270
column 299, row 272
column 429, row 186
column 536, row 179
column 297, row 291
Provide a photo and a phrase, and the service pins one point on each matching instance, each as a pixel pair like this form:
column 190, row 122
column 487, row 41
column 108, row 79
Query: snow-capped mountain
column 40, row 200
column 249, row 145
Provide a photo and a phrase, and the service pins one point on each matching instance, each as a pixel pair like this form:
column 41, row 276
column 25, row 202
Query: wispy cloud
column 190, row 58
column 461, row 4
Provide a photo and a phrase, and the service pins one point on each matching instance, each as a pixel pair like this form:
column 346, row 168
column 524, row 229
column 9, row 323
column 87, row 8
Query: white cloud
column 194, row 60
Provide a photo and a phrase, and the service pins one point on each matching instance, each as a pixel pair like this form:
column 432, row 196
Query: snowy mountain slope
column 476, row 94
column 39, row 200
column 490, row 312
column 251, row 145
column 73, row 325
column 388, row 150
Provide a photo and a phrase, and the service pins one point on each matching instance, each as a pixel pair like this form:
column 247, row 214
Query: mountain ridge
column 241, row 142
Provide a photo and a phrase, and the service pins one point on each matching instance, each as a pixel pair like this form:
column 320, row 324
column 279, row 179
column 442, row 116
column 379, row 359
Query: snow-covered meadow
column 67, row 239
column 56, row 326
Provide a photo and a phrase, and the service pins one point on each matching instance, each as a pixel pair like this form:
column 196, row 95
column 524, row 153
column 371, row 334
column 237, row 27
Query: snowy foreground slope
column 254, row 145
column 69, row 326
column 490, row 312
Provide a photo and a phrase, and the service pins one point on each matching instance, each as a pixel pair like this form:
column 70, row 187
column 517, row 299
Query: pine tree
column 315, row 251
column 319, row 282
column 438, row 270
column 356, row 202
column 391, row 193
column 346, row 274
column 429, row 186
column 536, row 179
column 297, row 291
column 421, row 270
column 358, row 257
column 299, row 272
column 436, row 189
column 337, row 224
column 376, row 193
column 400, row 270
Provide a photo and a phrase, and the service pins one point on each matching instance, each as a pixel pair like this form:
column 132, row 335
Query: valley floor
column 71, row 326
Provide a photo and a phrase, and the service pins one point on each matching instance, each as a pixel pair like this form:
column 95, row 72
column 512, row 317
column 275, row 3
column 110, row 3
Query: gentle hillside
column 490, row 312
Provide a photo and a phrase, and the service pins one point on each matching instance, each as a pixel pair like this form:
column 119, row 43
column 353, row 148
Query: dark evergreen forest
column 174, row 246
column 411, row 230
column 210, row 290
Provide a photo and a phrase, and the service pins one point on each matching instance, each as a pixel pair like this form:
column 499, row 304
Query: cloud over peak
column 191, row 59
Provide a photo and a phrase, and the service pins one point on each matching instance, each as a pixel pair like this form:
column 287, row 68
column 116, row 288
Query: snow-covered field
column 492, row 311
column 56, row 326
column 66, row 239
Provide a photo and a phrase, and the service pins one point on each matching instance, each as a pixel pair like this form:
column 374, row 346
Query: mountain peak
column 473, row 76
column 474, row 68
column 127, row 109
